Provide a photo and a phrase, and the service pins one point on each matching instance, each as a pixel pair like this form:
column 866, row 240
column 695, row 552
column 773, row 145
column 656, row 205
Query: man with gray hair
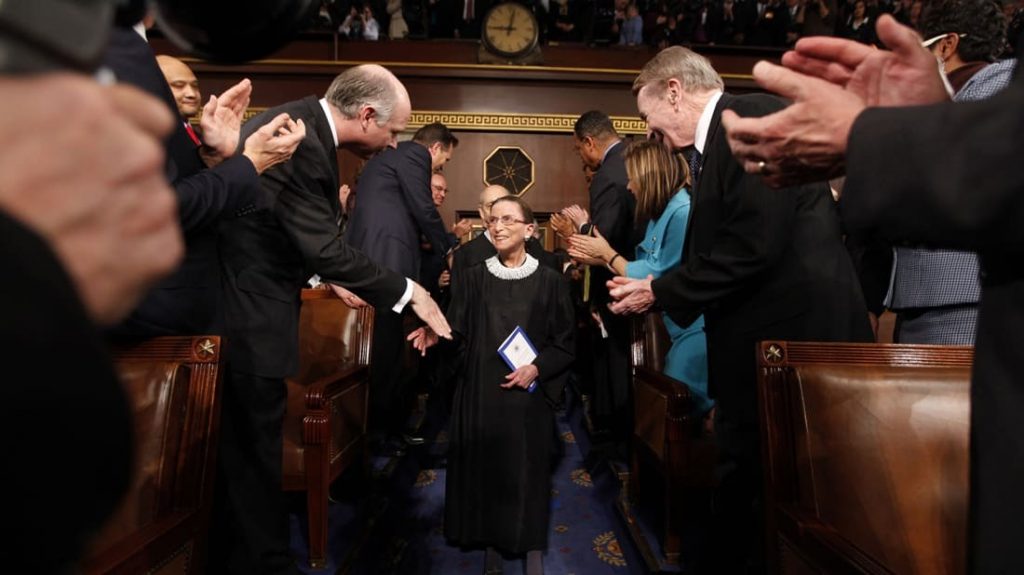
column 268, row 252
column 759, row 264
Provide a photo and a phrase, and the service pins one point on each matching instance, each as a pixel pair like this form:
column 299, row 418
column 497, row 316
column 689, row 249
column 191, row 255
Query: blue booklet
column 517, row 350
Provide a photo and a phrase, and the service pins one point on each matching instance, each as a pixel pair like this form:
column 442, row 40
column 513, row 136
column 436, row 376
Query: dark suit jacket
column 760, row 264
column 949, row 176
column 269, row 254
column 72, row 397
column 187, row 302
column 394, row 207
column 612, row 210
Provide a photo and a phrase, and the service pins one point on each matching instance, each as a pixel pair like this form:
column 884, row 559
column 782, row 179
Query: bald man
column 184, row 85
column 267, row 255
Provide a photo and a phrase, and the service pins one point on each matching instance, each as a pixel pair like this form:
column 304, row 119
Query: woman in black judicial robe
column 501, row 435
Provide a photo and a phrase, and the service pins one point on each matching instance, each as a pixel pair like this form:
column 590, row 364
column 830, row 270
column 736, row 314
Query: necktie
column 693, row 159
column 192, row 134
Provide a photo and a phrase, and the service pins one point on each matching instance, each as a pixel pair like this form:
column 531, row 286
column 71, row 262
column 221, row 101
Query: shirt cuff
column 398, row 307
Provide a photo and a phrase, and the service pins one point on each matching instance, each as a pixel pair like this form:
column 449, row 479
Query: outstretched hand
column 426, row 308
column 422, row 339
column 830, row 81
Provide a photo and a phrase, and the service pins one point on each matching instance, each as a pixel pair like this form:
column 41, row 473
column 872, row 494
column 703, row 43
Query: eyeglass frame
column 935, row 39
column 505, row 220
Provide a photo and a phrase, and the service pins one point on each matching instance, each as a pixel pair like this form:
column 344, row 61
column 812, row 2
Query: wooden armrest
column 680, row 400
column 319, row 392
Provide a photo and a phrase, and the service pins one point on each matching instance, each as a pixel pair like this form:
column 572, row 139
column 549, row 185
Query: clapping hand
column 593, row 251
column 222, row 121
column 462, row 227
column 578, row 215
column 274, row 142
column 562, row 225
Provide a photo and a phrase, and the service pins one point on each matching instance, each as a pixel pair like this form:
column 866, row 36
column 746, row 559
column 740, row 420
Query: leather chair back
column 866, row 455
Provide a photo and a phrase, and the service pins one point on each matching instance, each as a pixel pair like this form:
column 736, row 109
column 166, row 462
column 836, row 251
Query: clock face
column 510, row 29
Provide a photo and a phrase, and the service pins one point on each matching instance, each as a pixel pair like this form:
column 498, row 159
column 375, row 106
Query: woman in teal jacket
column 658, row 179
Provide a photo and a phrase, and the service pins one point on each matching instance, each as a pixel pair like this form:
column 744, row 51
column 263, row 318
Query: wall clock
column 511, row 167
column 510, row 33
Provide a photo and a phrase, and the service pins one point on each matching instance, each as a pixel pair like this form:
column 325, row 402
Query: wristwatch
column 587, row 229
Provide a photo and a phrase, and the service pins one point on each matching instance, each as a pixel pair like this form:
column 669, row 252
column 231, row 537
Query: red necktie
column 192, row 134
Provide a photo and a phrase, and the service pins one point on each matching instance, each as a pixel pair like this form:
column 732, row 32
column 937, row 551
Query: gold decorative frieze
column 499, row 122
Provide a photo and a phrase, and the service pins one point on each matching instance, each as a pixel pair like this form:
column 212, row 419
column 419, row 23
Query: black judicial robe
column 501, row 440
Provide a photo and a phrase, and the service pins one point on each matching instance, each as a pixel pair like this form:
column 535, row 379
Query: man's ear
column 367, row 114
column 673, row 91
column 950, row 45
column 435, row 149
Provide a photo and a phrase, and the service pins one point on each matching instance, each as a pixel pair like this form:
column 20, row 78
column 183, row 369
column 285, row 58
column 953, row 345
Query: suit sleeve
column 947, row 175
column 754, row 233
column 306, row 217
column 414, row 180
column 223, row 190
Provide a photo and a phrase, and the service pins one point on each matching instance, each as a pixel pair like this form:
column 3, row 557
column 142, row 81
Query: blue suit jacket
column 393, row 207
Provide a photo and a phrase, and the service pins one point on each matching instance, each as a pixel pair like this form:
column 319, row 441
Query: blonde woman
column 658, row 179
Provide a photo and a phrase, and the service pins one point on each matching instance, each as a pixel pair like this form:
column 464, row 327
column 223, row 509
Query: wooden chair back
column 173, row 386
column 866, row 456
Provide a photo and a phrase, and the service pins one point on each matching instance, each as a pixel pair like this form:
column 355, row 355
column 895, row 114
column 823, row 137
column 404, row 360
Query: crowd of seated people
column 656, row 23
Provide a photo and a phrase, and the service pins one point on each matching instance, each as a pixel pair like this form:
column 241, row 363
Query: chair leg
column 673, row 540
column 317, row 485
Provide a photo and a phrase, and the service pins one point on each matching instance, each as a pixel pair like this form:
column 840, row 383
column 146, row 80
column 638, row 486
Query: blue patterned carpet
column 392, row 522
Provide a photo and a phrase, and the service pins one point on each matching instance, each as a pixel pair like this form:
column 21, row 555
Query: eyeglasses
column 930, row 41
column 504, row 220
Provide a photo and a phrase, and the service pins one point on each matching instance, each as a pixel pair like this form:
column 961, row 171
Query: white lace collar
column 501, row 272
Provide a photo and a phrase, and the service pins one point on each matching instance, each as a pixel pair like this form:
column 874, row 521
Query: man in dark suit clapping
column 612, row 209
column 758, row 265
column 268, row 254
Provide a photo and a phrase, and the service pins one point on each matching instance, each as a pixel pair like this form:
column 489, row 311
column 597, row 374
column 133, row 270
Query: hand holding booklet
column 517, row 350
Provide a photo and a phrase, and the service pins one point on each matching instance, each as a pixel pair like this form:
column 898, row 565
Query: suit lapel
column 706, row 178
column 323, row 133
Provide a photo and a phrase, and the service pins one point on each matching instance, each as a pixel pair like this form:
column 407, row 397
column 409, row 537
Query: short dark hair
column 523, row 206
column 594, row 124
column 981, row 22
column 437, row 132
